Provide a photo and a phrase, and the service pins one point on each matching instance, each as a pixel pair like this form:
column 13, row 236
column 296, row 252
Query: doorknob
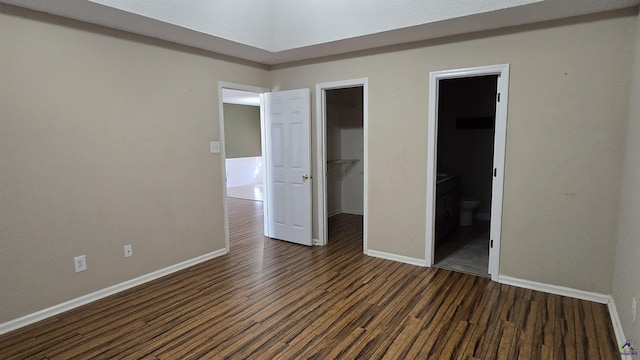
column 306, row 177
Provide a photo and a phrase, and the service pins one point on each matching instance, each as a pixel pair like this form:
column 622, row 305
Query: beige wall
column 626, row 281
column 242, row 131
column 104, row 141
column 565, row 125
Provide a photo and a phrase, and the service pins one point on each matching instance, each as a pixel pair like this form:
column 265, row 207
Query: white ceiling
column 279, row 31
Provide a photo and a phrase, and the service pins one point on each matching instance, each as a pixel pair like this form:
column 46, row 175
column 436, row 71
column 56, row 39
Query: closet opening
column 344, row 135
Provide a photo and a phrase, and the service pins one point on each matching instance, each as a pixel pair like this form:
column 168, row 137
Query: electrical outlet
column 128, row 250
column 80, row 263
column 633, row 310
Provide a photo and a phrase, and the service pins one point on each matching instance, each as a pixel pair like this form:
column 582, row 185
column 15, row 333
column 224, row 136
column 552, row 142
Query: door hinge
column 495, row 172
column 491, row 244
column 498, row 97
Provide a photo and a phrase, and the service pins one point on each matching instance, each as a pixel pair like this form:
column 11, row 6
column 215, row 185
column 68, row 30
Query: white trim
column 617, row 326
column 498, row 160
column 395, row 257
column 577, row 294
column 499, row 153
column 97, row 295
column 321, row 155
column 223, row 156
column 353, row 212
column 555, row 289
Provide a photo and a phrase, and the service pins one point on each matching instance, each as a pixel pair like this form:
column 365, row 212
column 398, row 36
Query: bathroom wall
column 468, row 152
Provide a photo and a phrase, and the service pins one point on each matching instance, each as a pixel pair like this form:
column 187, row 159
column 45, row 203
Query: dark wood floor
column 269, row 299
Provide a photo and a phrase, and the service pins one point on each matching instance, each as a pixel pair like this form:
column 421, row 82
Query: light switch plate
column 215, row 147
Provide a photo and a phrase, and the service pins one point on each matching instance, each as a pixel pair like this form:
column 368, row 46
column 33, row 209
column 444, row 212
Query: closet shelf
column 340, row 168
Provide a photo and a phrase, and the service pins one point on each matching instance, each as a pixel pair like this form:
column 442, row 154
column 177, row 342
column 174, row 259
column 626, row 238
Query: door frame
column 502, row 71
column 321, row 155
column 223, row 156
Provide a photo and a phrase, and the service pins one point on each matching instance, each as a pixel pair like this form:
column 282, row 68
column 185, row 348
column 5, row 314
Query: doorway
column 465, row 170
column 464, row 164
column 341, row 162
column 285, row 162
column 242, row 142
column 345, row 154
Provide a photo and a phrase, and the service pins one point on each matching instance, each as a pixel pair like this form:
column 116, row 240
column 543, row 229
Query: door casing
column 321, row 155
column 502, row 71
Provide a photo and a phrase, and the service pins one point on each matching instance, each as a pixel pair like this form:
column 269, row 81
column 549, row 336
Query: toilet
column 467, row 205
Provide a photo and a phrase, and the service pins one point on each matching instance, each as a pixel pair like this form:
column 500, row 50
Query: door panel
column 288, row 160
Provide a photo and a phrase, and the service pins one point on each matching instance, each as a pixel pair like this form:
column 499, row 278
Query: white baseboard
column 334, row 213
column 345, row 211
column 85, row 299
column 395, row 257
column 555, row 289
column 578, row 294
column 617, row 326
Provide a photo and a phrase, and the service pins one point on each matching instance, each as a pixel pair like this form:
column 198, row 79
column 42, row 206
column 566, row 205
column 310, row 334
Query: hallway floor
column 247, row 192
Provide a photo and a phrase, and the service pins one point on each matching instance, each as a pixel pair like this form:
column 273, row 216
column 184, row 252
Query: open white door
column 288, row 165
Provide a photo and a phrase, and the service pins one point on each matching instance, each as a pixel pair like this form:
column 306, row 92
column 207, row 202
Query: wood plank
column 268, row 299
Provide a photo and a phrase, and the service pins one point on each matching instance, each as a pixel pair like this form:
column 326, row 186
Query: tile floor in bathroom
column 466, row 250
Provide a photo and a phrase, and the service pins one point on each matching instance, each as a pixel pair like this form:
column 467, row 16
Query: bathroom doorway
column 465, row 170
column 464, row 164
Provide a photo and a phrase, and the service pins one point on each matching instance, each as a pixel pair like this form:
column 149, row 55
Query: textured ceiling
column 279, row 31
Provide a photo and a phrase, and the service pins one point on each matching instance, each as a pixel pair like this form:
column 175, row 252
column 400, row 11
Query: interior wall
column 468, row 152
column 334, row 153
column 626, row 283
column 104, row 141
column 565, row 124
column 242, row 131
column 353, row 178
